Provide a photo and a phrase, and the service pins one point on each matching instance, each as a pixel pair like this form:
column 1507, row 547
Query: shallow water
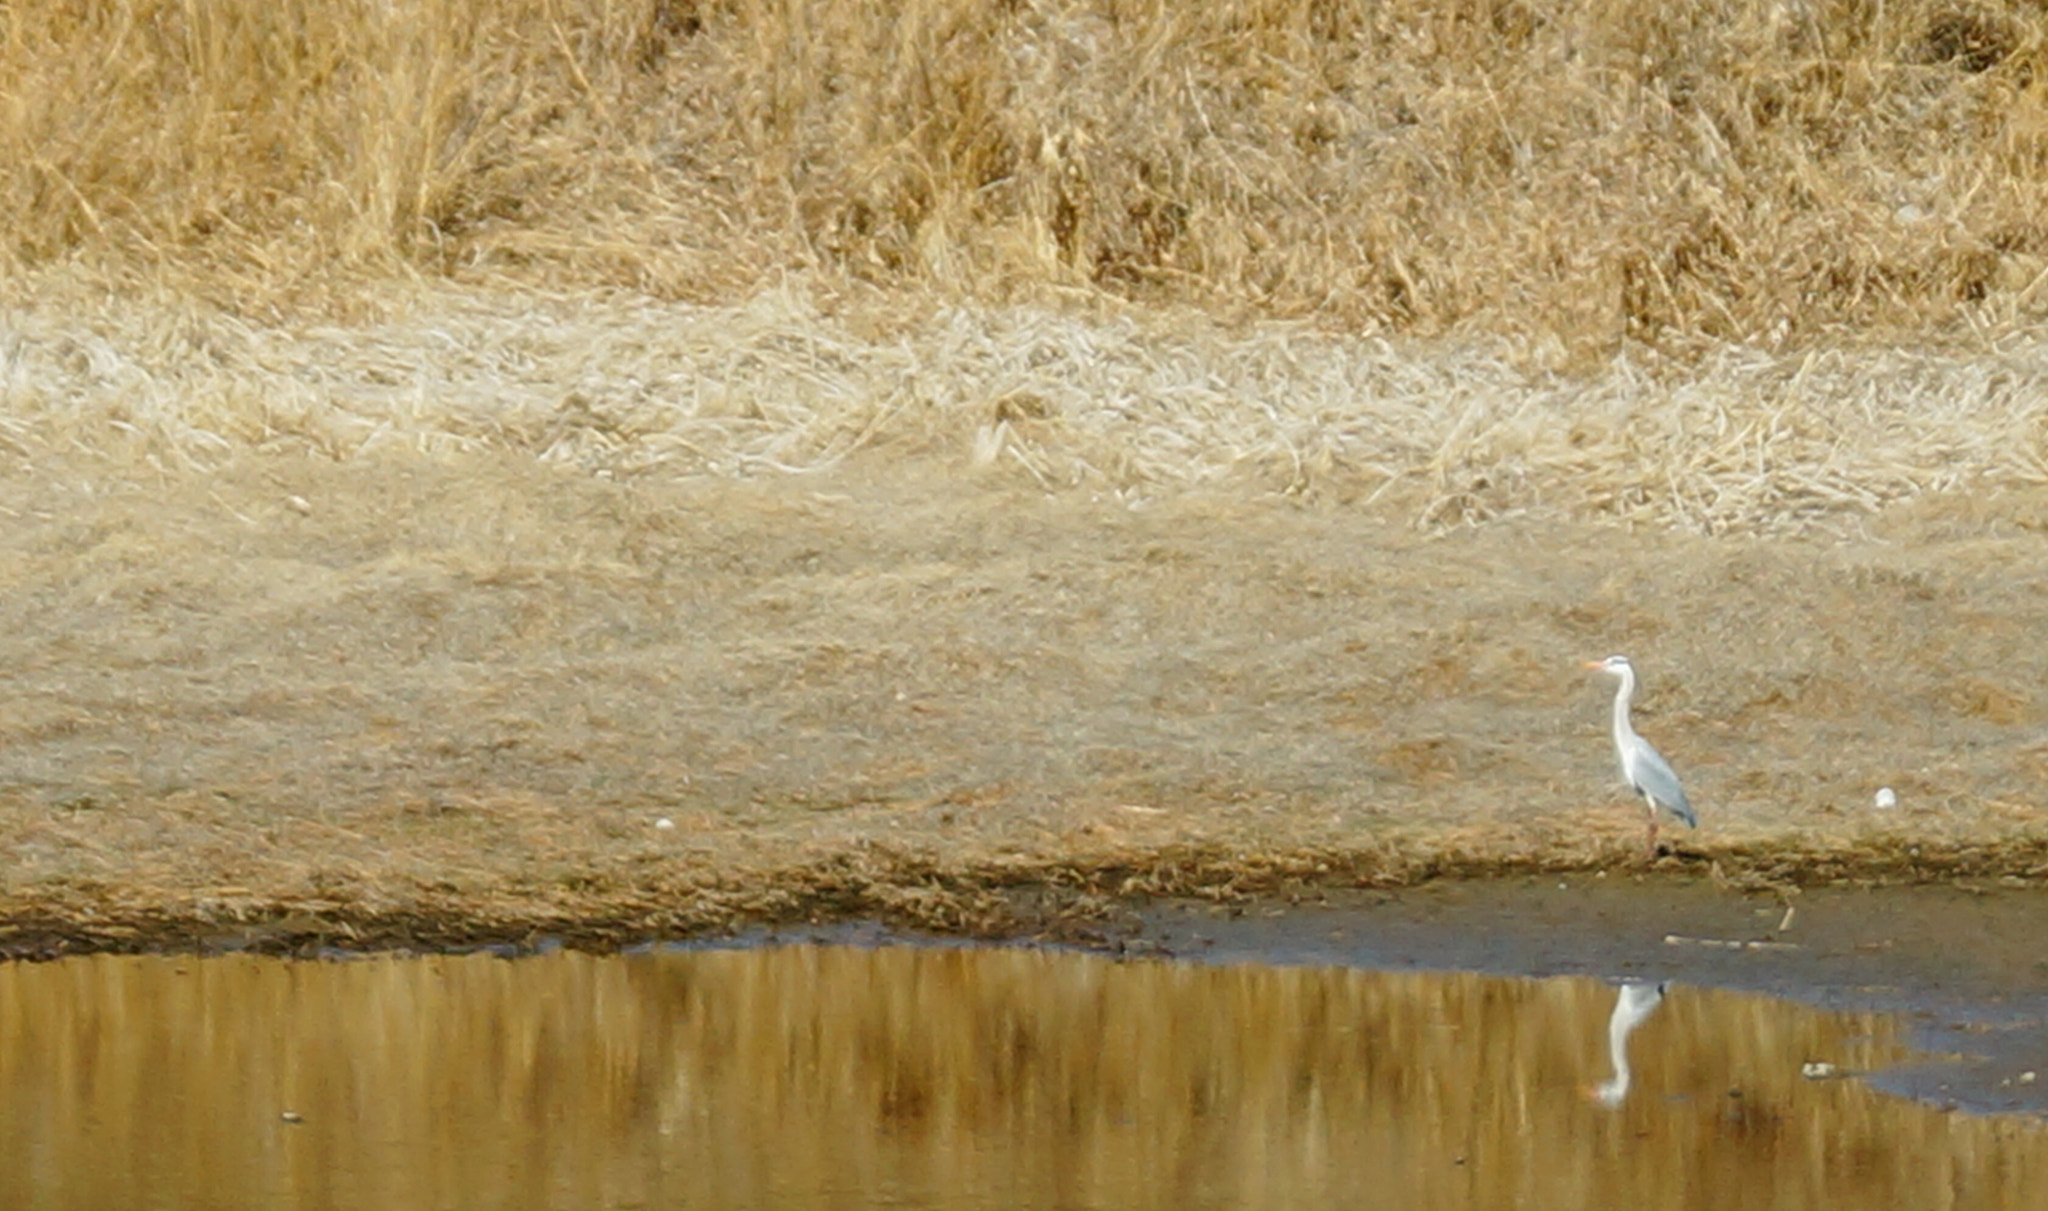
column 806, row 1076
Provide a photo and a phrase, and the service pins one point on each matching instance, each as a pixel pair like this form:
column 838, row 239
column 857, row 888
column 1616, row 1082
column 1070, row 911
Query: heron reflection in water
column 1633, row 1004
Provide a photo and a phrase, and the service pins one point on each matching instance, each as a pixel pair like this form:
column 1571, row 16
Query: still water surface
column 835, row 1077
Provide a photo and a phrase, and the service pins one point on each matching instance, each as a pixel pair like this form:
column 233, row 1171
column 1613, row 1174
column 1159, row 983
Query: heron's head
column 1616, row 665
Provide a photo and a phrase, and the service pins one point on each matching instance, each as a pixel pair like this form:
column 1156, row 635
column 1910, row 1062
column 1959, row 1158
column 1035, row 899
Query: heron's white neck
column 1632, row 1004
column 1614, row 1089
column 1622, row 694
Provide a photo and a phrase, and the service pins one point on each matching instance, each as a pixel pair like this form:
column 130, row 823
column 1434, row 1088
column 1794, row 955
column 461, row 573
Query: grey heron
column 1648, row 774
column 1632, row 1003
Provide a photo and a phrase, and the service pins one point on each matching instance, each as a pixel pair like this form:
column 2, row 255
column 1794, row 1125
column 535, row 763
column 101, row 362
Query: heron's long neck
column 1619, row 1027
column 1612, row 1090
column 1621, row 697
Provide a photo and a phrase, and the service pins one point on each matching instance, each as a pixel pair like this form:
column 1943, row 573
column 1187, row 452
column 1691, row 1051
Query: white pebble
column 664, row 822
column 1886, row 799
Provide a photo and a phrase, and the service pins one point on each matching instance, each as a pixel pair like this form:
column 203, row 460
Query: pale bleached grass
column 1142, row 405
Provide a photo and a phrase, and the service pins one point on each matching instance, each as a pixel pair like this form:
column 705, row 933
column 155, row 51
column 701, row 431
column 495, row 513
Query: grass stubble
column 938, row 453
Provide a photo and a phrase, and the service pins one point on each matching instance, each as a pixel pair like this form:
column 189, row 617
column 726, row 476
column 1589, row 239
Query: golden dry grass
column 1572, row 193
column 1767, row 171
column 1119, row 246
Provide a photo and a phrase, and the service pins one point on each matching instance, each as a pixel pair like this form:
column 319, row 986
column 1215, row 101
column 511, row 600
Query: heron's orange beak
column 1593, row 664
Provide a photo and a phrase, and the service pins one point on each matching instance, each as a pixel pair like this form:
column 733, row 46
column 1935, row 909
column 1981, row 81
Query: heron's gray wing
column 1652, row 777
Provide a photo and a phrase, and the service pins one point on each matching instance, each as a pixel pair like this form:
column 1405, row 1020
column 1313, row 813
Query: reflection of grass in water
column 734, row 1078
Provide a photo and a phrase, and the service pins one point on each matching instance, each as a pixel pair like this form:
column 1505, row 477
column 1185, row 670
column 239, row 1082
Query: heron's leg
column 1653, row 831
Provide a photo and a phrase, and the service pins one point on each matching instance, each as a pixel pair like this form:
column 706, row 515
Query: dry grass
column 1717, row 171
column 406, row 697
column 1742, row 442
column 294, row 296
column 213, row 207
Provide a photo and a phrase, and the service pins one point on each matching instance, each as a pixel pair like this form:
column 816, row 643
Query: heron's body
column 1645, row 769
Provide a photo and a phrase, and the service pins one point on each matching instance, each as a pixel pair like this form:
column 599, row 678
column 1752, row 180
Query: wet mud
column 1963, row 966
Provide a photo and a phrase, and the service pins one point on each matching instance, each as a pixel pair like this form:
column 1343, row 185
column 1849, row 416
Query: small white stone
column 1817, row 1070
column 1886, row 799
column 2027, row 1077
column 299, row 505
column 664, row 822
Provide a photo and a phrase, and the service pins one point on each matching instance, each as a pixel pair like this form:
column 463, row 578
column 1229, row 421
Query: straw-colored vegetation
column 1711, row 170
column 627, row 388
column 1666, row 257
column 381, row 698
column 443, row 437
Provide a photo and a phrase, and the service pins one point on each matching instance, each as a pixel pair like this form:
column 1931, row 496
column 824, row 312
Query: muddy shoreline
column 1958, row 963
column 1955, row 954
column 1091, row 903
column 1947, row 938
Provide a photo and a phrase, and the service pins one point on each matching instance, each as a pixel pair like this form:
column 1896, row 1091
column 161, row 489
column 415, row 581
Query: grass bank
column 425, row 697
column 969, row 461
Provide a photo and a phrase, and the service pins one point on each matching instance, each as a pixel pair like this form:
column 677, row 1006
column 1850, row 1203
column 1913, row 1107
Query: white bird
column 1632, row 1004
column 1648, row 774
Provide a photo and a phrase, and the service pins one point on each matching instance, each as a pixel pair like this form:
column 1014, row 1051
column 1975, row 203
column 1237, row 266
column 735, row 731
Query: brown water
column 812, row 1077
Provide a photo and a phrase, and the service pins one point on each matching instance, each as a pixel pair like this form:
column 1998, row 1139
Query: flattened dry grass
column 1705, row 172
column 439, row 701
column 1142, row 405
